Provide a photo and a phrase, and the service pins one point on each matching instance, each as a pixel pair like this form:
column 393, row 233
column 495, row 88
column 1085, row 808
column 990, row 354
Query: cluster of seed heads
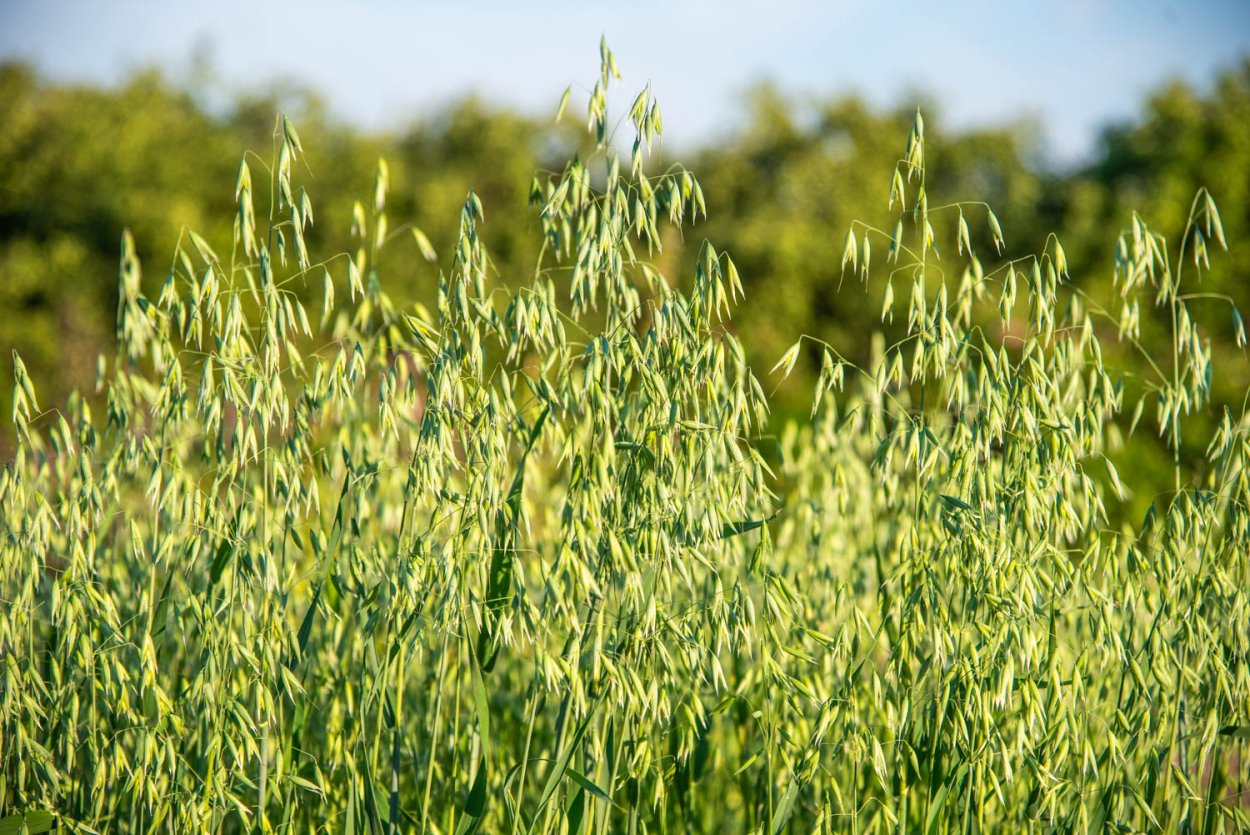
column 536, row 561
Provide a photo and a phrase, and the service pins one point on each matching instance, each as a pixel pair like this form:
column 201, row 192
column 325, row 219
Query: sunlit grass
column 536, row 560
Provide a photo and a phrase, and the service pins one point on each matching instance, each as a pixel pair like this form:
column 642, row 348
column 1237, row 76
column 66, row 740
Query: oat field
column 539, row 560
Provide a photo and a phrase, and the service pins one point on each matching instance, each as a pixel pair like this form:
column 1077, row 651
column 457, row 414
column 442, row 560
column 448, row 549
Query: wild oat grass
column 535, row 560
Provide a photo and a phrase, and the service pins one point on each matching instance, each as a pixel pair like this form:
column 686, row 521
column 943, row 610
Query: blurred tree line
column 80, row 164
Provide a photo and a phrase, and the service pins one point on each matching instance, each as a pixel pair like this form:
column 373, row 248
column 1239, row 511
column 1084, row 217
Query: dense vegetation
column 533, row 553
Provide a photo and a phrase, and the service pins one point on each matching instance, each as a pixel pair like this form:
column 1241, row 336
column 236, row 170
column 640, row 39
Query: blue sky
column 1071, row 65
